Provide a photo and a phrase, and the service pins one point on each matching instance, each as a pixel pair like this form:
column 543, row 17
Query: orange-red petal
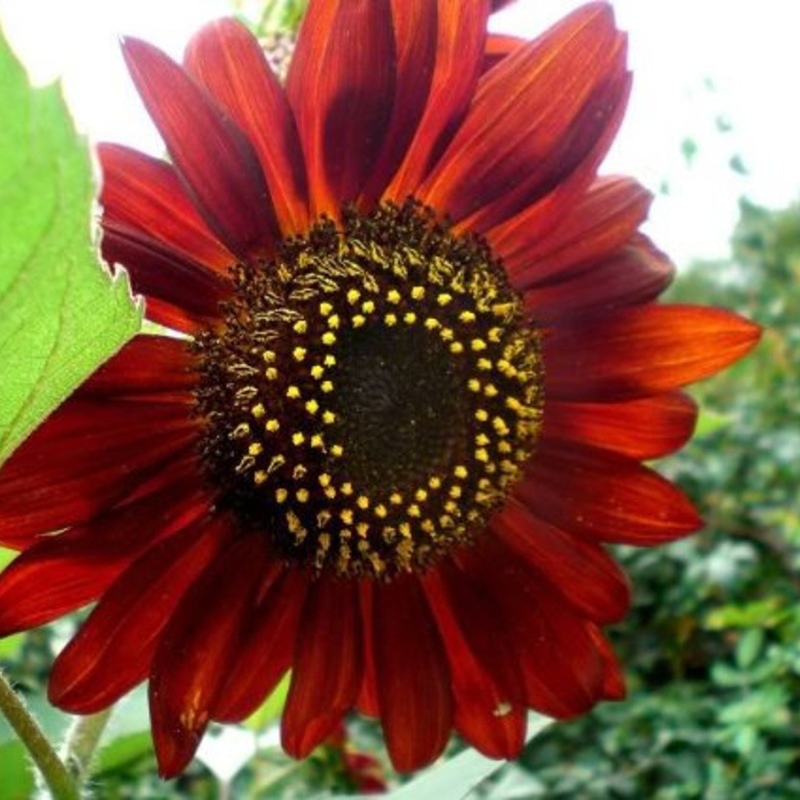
column 327, row 668
column 228, row 61
column 642, row 429
column 196, row 649
column 113, row 650
column 461, row 38
column 603, row 496
column 414, row 683
column 341, row 87
column 641, row 351
column 213, row 157
column 516, row 143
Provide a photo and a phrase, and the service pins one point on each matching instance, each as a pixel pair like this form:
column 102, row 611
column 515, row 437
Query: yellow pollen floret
column 431, row 323
column 410, row 318
column 455, row 491
column 329, row 360
column 329, row 338
column 482, row 455
column 258, row 411
column 447, row 334
column 302, row 495
column 456, row 348
column 395, row 498
column 317, row 371
column 390, row 319
column 381, row 510
column 477, row 345
column 281, row 495
column 260, row 477
column 317, row 442
column 326, row 386
column 301, row 326
column 393, row 296
column 413, row 510
column 337, row 450
column 330, row 492
column 474, row 385
column 346, row 515
column 312, row 406
column 495, row 335
column 352, row 296
column 443, row 299
column 299, row 353
column 481, row 415
column 272, row 426
column 347, row 488
column 421, row 495
column 298, row 438
column 484, row 364
column 255, row 449
column 324, row 480
column 293, row 392
column 271, row 373
column 362, row 529
column 362, row 502
column 482, row 440
column 490, row 390
column 325, row 309
column 328, row 417
column 460, row 472
column 269, row 356
column 333, row 321
column 241, row 431
column 467, row 316
column 435, row 483
column 359, row 320
column 368, row 306
column 418, row 292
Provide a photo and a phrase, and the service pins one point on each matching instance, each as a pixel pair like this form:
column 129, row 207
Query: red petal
column 634, row 275
column 367, row 702
column 604, row 219
column 228, row 61
column 146, row 368
column 582, row 571
column 192, row 295
column 212, row 156
column 461, row 37
column 562, row 667
column 604, row 496
column 518, row 141
column 498, row 46
column 487, row 685
column 341, row 87
column 414, row 691
column 265, row 652
column 642, row 351
column 145, row 194
column 84, row 459
column 64, row 572
column 113, row 650
column 328, row 666
column 641, row 429
column 197, row 648
column 415, row 24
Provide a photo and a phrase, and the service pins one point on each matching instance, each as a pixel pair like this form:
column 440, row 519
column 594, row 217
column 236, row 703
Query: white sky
column 694, row 62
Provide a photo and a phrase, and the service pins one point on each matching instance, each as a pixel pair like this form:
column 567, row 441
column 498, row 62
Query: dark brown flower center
column 372, row 394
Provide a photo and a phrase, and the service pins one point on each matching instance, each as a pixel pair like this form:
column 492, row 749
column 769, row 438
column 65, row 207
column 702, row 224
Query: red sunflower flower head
column 423, row 360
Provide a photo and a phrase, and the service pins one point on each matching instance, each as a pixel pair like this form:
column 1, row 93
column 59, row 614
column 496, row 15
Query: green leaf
column 61, row 315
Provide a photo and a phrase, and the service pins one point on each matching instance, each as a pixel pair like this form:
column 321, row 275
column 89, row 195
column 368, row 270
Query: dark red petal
column 414, row 683
column 64, row 572
column 461, row 37
column 498, row 4
column 604, row 496
column 191, row 294
column 518, row 141
column 212, row 156
column 634, row 275
column 228, row 61
column 641, row 351
column 328, row 666
column 560, row 662
column 487, row 685
column 113, row 650
column 613, row 675
column 146, row 368
column 85, row 458
column 367, row 702
column 498, row 46
column 604, row 219
column 581, row 571
column 145, row 195
column 642, row 429
column 341, row 87
column 197, row 648
column 265, row 652
column 415, row 26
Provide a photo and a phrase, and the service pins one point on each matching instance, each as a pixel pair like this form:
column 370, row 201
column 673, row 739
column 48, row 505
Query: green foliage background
column 712, row 648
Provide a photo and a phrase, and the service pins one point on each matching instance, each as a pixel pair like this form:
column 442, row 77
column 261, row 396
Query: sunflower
column 418, row 360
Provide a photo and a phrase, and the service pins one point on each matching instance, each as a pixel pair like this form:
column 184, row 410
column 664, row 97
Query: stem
column 61, row 784
column 81, row 742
